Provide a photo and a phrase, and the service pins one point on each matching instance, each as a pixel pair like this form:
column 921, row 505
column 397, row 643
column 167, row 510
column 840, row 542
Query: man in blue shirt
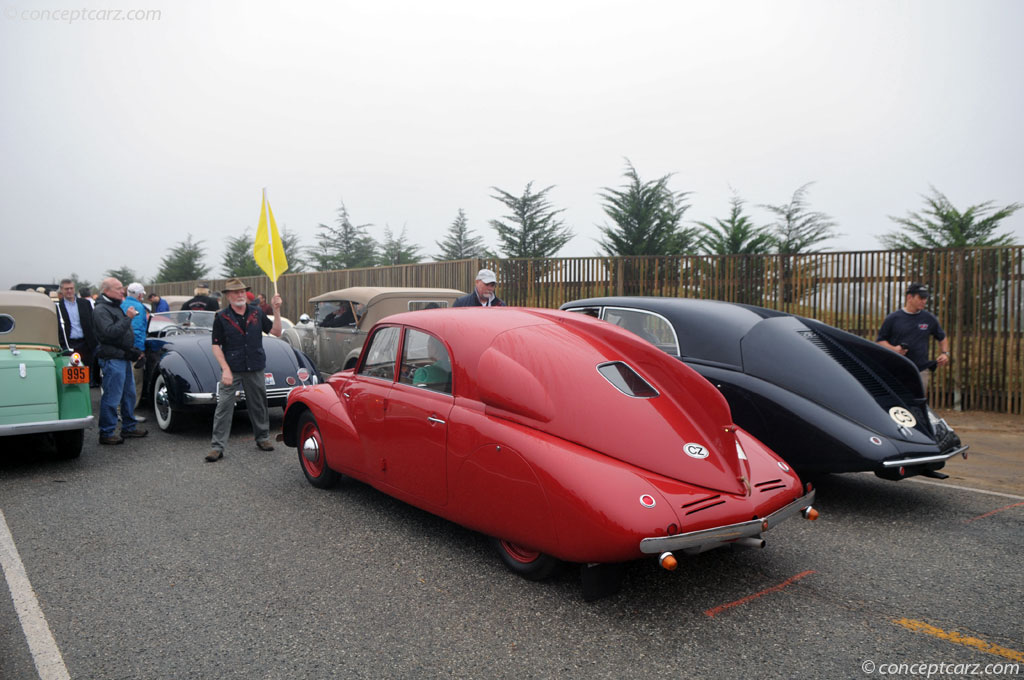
column 906, row 331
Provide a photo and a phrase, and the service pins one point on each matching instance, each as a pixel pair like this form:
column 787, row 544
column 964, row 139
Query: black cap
column 918, row 289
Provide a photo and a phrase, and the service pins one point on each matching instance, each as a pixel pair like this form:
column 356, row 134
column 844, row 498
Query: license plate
column 74, row 375
column 268, row 379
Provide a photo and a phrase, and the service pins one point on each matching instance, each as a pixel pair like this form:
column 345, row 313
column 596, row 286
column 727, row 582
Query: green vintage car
column 43, row 388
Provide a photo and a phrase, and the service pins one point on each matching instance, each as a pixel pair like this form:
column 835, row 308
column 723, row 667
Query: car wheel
column 167, row 418
column 311, row 454
column 524, row 561
column 69, row 443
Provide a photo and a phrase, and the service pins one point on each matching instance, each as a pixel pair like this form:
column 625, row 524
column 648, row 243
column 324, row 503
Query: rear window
column 416, row 305
column 626, row 380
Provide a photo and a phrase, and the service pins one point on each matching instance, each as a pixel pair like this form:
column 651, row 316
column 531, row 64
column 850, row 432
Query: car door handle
column 435, row 420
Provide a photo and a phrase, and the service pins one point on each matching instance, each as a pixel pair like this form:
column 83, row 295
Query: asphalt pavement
column 148, row 562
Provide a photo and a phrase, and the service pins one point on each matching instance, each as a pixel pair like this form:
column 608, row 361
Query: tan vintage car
column 335, row 335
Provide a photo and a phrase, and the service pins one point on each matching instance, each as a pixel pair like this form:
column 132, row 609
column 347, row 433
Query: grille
column 770, row 485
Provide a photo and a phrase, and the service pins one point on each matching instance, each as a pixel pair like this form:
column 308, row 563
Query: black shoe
column 111, row 440
column 264, row 445
column 137, row 432
column 214, row 456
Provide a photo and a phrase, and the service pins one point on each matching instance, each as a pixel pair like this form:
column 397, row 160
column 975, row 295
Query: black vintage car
column 181, row 375
column 823, row 399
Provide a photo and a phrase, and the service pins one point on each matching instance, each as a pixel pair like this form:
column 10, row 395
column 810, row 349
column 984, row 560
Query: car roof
column 707, row 329
column 34, row 317
column 543, row 369
column 368, row 294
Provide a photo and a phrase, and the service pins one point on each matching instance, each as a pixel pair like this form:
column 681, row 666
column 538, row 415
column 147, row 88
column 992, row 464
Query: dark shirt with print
column 240, row 337
column 912, row 330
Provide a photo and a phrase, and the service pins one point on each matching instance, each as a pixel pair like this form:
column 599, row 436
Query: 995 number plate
column 74, row 375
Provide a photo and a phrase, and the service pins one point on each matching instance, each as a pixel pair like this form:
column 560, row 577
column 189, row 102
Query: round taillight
column 903, row 471
column 76, row 359
column 290, row 380
column 303, row 374
column 647, row 500
column 672, row 529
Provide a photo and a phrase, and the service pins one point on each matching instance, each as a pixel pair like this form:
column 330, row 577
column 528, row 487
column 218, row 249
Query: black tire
column 69, row 443
column 167, row 419
column 528, row 563
column 310, row 447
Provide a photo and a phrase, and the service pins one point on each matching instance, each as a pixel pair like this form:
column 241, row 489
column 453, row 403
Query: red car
column 562, row 437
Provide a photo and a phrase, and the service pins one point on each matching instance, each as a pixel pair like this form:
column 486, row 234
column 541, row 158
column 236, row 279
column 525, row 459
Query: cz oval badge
column 694, row 450
column 902, row 416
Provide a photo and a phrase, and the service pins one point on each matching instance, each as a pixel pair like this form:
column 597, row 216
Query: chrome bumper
column 727, row 533
column 46, row 426
column 924, row 459
column 210, row 398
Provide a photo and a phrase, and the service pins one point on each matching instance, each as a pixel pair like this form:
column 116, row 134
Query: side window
column 415, row 305
column 335, row 314
column 425, row 362
column 649, row 326
column 589, row 311
column 381, row 355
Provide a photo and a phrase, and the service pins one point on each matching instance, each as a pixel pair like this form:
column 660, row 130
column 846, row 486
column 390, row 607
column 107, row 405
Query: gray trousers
column 255, row 386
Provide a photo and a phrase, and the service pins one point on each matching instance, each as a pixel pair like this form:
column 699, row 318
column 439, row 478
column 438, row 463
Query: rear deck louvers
column 702, row 504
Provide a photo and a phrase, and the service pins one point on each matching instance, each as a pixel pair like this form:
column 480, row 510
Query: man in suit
column 74, row 326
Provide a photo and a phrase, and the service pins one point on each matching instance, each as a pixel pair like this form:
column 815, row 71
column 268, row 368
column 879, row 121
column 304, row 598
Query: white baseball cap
column 487, row 276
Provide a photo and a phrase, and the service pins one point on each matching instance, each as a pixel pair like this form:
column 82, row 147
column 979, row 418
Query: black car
column 181, row 374
column 823, row 399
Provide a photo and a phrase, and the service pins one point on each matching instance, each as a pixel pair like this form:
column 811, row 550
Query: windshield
column 181, row 322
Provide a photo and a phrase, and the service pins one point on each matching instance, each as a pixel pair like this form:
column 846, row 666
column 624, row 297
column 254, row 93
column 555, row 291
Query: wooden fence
column 978, row 295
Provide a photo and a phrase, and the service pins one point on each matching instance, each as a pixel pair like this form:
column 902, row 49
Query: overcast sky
column 121, row 137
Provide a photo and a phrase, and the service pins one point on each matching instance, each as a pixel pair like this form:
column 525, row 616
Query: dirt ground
column 995, row 460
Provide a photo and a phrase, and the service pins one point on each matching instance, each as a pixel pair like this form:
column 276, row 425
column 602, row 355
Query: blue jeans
column 118, row 389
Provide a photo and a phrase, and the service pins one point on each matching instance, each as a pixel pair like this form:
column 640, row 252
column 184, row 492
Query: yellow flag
column 269, row 252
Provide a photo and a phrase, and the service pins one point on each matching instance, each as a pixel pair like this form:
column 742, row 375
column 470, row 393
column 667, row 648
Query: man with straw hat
column 238, row 348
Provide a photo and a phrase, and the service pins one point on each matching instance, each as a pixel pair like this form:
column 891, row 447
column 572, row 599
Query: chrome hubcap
column 311, row 450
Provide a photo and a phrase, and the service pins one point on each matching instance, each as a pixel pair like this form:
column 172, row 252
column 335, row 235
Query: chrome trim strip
column 200, row 398
column 724, row 534
column 46, row 426
column 923, row 459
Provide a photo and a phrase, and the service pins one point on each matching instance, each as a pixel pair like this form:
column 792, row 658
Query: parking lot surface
column 147, row 562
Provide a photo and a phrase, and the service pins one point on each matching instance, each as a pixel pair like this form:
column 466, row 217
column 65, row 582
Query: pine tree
column 941, row 225
column 184, row 262
column 398, row 250
column 736, row 235
column 647, row 218
column 460, row 243
column 345, row 246
column 798, row 229
column 533, row 229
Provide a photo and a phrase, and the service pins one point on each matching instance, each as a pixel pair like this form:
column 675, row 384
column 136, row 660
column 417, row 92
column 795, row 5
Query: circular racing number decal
column 902, row 416
column 695, row 450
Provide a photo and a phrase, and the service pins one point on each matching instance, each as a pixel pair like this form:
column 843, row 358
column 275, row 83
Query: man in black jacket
column 201, row 301
column 116, row 352
column 75, row 326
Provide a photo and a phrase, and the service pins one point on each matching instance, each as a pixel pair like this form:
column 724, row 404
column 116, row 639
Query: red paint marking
column 743, row 600
column 988, row 514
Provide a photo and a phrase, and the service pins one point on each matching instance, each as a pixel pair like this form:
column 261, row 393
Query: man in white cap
column 140, row 322
column 483, row 295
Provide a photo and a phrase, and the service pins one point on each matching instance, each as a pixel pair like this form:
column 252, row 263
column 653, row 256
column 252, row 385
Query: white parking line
column 965, row 488
column 45, row 654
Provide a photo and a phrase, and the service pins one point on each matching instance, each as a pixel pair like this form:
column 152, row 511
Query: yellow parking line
column 977, row 643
